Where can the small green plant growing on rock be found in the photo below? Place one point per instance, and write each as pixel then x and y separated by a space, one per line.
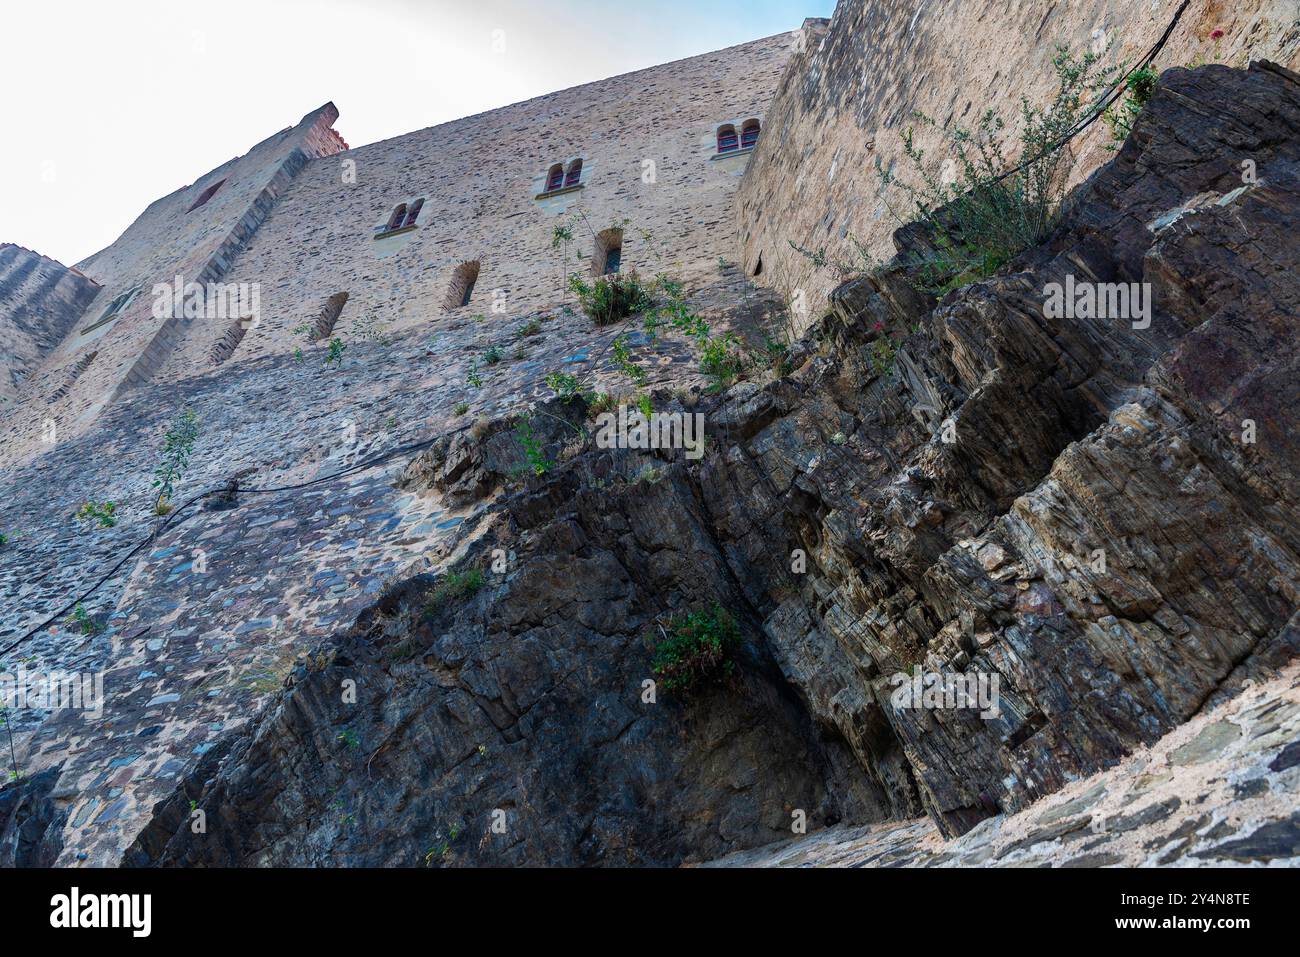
pixel 980 215
pixel 443 846
pixel 334 355
pixel 532 327
pixel 348 737
pixel 565 385
pixel 697 649
pixel 105 513
pixel 453 587
pixel 1138 90
pixel 492 356
pixel 83 621
pixel 623 360
pixel 537 461
pixel 884 351
pixel 474 377
pixel 460 409
pixel 178 445
pixel 720 358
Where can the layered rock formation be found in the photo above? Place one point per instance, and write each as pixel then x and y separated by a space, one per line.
pixel 855 87
pixel 1099 513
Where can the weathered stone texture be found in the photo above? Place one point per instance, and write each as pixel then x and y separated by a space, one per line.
pixel 970 552
pixel 40 301
pixel 849 94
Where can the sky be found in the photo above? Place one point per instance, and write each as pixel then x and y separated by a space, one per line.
pixel 111 104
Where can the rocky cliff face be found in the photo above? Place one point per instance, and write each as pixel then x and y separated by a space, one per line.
pixel 1098 513
pixel 849 93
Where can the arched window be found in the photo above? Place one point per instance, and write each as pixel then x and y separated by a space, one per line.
pixel 749 135
pixel 609 252
pixel 462 285
pixel 574 174
pixel 555 178
pixel 413 212
pixel 206 195
pixel 727 139
pixel 399 215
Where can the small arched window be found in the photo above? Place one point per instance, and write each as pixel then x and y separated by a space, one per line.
pixel 555 178
pixel 749 135
pixel 574 174
pixel 608 257
pixel 414 212
pixel 399 215
pixel 461 287
pixel 727 139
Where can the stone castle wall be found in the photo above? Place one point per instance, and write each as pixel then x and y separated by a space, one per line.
pixel 42 299
pixel 206 620
pixel 858 85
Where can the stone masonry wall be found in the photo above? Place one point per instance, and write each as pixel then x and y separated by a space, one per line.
pixel 40 300
pixel 208 618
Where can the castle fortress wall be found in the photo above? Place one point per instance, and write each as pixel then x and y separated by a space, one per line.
pixel 646 140
pixel 168 239
pixel 40 301
pixel 207 620
pixel 858 85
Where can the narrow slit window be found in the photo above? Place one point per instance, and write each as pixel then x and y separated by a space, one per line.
pixel 555 178
pixel 413 213
pixel 749 135
pixel 574 175
pixel 206 195
pixel 727 139
pixel 461 287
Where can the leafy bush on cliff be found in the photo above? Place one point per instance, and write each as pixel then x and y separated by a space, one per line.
pixel 1139 88
pixel 609 299
pixel 979 214
pixel 696 649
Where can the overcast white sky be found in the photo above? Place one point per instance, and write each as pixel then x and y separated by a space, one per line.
pixel 110 104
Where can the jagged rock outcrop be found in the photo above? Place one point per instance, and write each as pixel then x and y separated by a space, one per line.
pixel 31 821
pixel 1099 513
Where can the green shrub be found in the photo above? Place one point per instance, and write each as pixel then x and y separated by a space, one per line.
pixel 720 358
pixel 178 444
pixel 492 356
pixel 105 513
pixel 1138 90
pixel 610 299
pixel 452 587
pixel 565 385
pixel 697 650
pixel 335 354
pixel 538 463
pixel 982 219
pixel 83 621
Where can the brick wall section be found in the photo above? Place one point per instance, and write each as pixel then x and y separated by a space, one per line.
pixel 847 96
pixel 40 301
